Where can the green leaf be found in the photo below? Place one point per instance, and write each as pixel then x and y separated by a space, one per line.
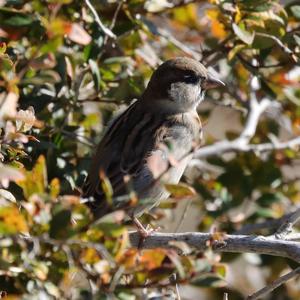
pixel 265 213
pixel 209 281
pixel 296 11
pixel 297 39
pixel 18 21
pixel 126 296
pixel 59 223
pixel 95 73
pixel 267 199
pixel 243 35
pixel 111 229
pixel 220 269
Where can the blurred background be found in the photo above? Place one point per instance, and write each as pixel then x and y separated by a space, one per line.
pixel 67 67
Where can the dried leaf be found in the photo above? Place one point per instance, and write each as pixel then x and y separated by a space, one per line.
pixel 157 5
pixel 78 35
pixel 152 259
pixel 8 173
pixel 8 108
pixel 4 194
pixel 25 119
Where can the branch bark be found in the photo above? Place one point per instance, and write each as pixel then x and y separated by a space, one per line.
pixel 229 243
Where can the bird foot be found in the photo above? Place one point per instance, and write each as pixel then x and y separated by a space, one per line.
pixel 144 232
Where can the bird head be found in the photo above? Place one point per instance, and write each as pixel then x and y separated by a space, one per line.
pixel 179 85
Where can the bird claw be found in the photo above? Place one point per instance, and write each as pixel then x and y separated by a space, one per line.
pixel 144 232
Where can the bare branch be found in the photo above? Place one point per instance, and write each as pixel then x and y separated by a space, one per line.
pixel 269 224
pixel 275 284
pixel 229 243
pixel 256 110
pixel 241 143
pixel 287 226
pixel 293 237
pixel 290 144
pixel 106 30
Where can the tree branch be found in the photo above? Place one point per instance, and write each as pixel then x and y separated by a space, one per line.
pixel 241 143
pixel 276 283
pixel 287 226
pixel 269 224
pixel 229 243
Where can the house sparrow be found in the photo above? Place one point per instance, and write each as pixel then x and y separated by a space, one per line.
pixel 152 141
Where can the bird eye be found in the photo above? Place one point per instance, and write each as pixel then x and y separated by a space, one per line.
pixel 190 78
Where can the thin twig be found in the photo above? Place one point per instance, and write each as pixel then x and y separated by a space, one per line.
pixel 242 142
pixel 114 19
pixel 269 224
pixel 106 30
pixel 183 216
pixel 275 284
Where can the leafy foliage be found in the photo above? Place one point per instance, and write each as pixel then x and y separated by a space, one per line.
pixel 61 80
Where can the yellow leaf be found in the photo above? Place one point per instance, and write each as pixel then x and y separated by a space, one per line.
pixel 12 221
pixel 35 180
pixel 152 259
pixel 186 15
pixel 89 256
pixel 238 15
pixel 232 53
pixel 180 190
pixel 220 269
pixel 217 28
pixel 54 187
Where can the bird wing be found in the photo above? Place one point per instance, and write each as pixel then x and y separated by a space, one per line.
pixel 134 140
pixel 121 152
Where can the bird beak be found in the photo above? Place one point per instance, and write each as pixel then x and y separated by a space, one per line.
pixel 211 83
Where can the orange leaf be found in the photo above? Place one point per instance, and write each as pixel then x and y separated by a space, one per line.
pixel 152 259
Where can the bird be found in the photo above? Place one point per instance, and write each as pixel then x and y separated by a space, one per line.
pixel 151 142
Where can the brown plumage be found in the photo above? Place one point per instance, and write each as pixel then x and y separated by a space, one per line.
pixel 153 139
